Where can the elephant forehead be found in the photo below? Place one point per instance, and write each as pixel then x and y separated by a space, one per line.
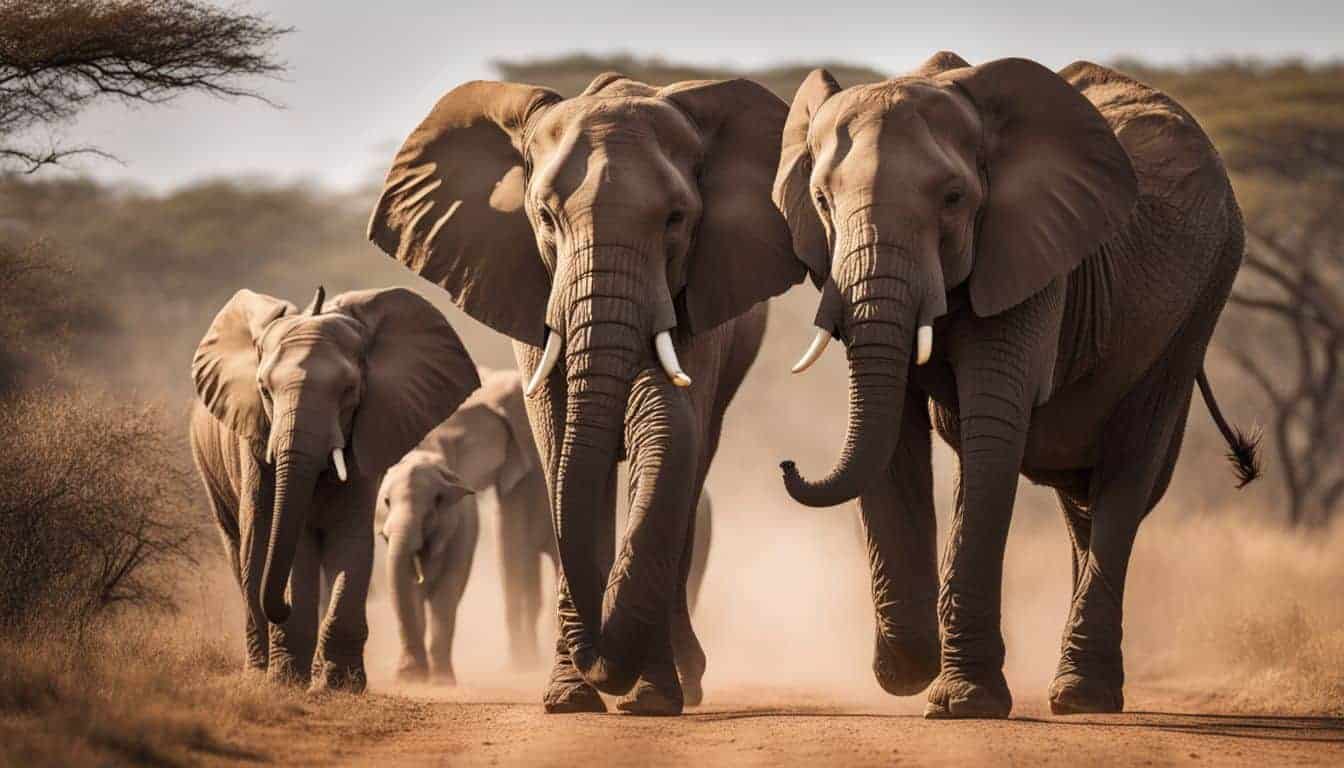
pixel 907 106
pixel 620 119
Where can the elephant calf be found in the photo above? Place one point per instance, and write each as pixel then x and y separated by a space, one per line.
pixel 299 414
pixel 431 524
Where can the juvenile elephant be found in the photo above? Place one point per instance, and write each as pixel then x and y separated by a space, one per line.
pixel 299 414
pixel 485 444
pixel 1069 239
pixel 623 238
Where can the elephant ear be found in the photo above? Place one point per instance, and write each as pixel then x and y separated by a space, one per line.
pixel 224 368
pixel 793 181
pixel 743 252
pixel 502 393
pixel 452 206
pixel 416 373
pixel 1059 182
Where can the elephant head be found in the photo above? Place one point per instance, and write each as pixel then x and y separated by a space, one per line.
pixel 358 379
pixel 986 183
pixel 487 442
pixel 420 506
pixel 598 227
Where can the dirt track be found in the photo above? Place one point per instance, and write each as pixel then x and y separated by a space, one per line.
pixel 775 726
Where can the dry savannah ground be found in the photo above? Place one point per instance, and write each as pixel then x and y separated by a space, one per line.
pixel 1233 648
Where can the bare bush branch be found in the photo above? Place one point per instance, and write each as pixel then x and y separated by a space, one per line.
pixel 60 56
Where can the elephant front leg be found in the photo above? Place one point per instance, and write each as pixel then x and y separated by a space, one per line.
pixel 348 556
pixel 901 532
pixel 292 644
pixel 995 396
pixel 566 691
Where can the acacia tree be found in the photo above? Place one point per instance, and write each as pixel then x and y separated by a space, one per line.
pixel 1295 289
pixel 58 57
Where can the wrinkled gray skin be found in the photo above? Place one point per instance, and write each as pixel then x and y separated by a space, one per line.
pixel 485 445
pixel 1071 238
pixel 279 390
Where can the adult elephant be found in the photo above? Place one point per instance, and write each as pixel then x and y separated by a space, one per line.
pixel 432 529
pixel 623 238
pixel 1069 240
pixel 299 414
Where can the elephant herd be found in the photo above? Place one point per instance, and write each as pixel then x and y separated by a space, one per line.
pixel 1029 262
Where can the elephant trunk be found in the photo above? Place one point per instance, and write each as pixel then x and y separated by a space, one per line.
pixel 402 580
pixel 604 308
pixel 660 435
pixel 881 294
pixel 296 472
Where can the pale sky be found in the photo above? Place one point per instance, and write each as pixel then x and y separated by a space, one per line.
pixel 359 80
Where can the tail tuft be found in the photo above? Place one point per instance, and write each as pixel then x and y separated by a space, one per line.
pixel 1244 453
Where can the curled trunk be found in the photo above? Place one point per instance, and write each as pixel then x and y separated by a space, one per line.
pixel 880 308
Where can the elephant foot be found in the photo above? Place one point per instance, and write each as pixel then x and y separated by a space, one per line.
pixel 650 700
pixel 955 695
pixel 285 671
pixel 412 672
pixel 1072 693
pixel 568 697
pixel 339 677
pixel 906 667
pixel 692 692
pixel 443 675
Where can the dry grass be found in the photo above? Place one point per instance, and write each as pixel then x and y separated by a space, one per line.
pixel 149 689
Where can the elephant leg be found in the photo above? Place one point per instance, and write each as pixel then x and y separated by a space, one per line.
pixel 1078 519
pixel 996 388
pixel 566 691
pixel 521 511
pixel 444 597
pixel 347 556
pixel 293 643
pixel 676 662
pixel 522 605
pixel 1137 454
pixel 901 532
pixel 671 681
pixel 254 631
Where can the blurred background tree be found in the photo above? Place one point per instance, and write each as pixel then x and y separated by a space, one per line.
pixel 58 57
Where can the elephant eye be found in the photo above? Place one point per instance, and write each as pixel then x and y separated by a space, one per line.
pixel 953 198
pixel 675 218
pixel 821 203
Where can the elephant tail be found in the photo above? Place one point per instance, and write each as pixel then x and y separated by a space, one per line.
pixel 1243 447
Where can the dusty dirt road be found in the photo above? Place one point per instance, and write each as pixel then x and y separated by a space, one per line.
pixel 757 726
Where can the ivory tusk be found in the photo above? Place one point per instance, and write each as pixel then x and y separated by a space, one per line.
pixel 667 356
pixel 338 458
pixel 814 350
pixel 923 344
pixel 419 568
pixel 548 360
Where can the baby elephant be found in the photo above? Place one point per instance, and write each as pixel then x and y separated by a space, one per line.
pixel 298 415
pixel 429 518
